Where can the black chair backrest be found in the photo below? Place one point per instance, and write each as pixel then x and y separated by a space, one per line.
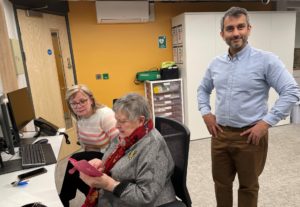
pixel 177 137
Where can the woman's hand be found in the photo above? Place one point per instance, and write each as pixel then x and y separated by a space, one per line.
pixel 97 163
pixel 104 182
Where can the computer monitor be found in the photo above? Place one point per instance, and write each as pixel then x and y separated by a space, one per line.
pixel 6 138
pixel 21 110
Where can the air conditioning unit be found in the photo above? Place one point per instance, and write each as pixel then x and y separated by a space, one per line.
pixel 122 11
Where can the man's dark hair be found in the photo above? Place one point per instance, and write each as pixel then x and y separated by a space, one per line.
pixel 234 12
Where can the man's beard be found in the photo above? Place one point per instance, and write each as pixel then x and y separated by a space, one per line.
pixel 236 45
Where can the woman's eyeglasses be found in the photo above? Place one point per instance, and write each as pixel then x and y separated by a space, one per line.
pixel 81 102
pixel 121 122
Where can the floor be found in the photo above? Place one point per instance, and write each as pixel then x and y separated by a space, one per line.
pixel 279 183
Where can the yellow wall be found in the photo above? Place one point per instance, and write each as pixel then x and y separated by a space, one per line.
pixel 122 50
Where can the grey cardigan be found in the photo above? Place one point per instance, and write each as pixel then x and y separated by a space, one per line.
pixel 144 172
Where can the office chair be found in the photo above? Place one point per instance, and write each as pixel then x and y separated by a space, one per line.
pixel 177 137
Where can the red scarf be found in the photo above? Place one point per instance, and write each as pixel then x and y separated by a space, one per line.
pixel 136 135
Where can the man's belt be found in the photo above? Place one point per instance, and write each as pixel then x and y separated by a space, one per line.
pixel 237 129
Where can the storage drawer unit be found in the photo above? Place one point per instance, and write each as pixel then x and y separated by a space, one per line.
pixel 166 98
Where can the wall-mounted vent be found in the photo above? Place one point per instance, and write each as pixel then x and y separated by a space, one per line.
pixel 122 11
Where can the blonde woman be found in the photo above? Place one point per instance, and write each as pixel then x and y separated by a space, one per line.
pixel 96 127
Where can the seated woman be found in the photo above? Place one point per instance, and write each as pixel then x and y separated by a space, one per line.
pixel 137 170
pixel 95 129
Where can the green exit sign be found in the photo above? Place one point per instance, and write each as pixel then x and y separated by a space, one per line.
pixel 162 42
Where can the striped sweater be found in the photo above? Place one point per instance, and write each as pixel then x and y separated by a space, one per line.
pixel 98 129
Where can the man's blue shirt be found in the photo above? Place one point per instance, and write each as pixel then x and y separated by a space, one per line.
pixel 242 86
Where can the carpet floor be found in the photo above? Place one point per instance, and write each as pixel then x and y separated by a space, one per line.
pixel 279 183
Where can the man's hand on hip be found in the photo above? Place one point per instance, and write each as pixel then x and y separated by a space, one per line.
pixel 256 132
pixel 211 124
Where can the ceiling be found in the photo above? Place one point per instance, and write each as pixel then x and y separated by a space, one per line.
pixel 31 4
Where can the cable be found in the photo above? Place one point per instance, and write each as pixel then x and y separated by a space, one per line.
pixel 66 137
pixel 265 2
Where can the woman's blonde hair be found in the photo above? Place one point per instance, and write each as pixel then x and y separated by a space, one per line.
pixel 84 89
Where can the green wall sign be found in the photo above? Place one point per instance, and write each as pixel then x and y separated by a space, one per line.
pixel 162 42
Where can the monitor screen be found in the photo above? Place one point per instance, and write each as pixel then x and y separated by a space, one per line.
pixel 6 138
pixel 20 109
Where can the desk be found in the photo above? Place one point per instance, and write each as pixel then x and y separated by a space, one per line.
pixel 39 189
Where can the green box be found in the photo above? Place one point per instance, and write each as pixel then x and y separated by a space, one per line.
pixel 105 76
pixel 148 75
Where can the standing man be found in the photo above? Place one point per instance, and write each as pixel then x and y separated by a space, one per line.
pixel 242 79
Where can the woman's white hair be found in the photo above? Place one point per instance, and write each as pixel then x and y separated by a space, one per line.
pixel 134 106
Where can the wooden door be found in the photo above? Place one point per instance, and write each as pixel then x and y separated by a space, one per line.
pixel 42 71
pixel 61 76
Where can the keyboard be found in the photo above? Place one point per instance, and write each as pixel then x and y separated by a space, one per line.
pixel 32 155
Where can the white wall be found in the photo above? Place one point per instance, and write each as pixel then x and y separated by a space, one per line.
pixel 12 34
pixel 10 19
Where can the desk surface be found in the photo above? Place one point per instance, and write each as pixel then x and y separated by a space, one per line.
pixel 39 188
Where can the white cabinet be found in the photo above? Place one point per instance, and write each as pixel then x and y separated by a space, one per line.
pixel 196 41
pixel 165 98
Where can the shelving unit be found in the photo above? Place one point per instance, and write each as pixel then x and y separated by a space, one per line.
pixel 166 98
